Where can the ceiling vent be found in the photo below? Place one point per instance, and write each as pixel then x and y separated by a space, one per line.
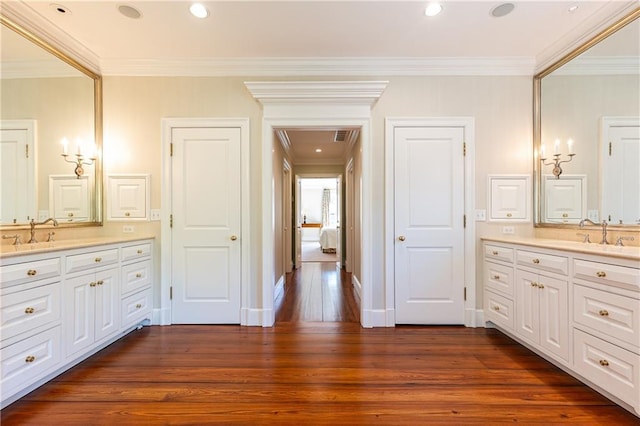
pixel 340 136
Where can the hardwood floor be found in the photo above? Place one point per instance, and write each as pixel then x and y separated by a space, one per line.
pixel 314 373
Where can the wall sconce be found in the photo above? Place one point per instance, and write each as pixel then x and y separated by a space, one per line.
pixel 81 158
pixel 556 160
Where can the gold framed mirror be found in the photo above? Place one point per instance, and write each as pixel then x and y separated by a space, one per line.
pixel 586 104
pixel 47 96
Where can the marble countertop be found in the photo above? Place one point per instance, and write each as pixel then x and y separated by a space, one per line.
pixel 624 252
pixel 7 251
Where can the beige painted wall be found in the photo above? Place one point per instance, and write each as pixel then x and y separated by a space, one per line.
pixel 134 107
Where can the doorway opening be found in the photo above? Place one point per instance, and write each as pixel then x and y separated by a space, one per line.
pixel 318 213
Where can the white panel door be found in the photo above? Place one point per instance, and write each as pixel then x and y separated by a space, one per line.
pixel 429 228
pixel 17 197
pixel 206 208
pixel 69 198
pixel 621 176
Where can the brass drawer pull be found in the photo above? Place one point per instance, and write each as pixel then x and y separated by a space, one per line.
pixel 69 214
pixel 601 274
pixel 604 362
pixel 496 277
pixel 139 251
pixel 534 284
pixel 100 282
pixel 495 252
pixel 30 358
pixel 138 306
pixel 32 272
pixel 603 313
pixel 540 286
pixel 138 275
pixel 127 214
pixel 496 308
pixel 92 284
pixel 536 261
pixel 29 310
pixel 509 215
pixel 98 259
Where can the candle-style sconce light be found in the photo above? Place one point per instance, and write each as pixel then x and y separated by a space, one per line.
pixel 557 157
pixel 80 158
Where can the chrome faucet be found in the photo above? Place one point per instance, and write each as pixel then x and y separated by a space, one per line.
pixel 33 225
pixel 604 228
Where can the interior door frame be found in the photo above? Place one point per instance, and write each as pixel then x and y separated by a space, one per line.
pixel 472 316
pixel 163 315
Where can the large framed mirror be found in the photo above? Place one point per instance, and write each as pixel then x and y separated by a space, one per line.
pixel 587 132
pixel 47 97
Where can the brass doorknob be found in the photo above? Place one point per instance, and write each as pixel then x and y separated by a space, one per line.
pixel 401 238
pixel 233 238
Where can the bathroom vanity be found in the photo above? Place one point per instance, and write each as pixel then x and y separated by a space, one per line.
pixel 63 301
pixel 575 304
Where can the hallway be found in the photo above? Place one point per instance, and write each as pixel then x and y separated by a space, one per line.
pixel 317 292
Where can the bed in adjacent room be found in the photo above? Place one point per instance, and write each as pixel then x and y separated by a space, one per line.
pixel 328 239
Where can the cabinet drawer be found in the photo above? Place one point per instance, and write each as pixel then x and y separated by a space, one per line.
pixel 611 314
pixel 499 310
pixel 29 271
pixel 137 251
pixel 543 262
pixel 604 273
pixel 29 360
pixel 499 278
pixel 135 277
pixel 25 310
pixel 136 307
pixel 612 368
pixel 503 254
pixel 80 262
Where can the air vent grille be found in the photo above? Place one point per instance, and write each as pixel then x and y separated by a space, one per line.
pixel 340 136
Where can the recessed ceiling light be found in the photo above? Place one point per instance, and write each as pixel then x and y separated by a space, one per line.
pixel 58 8
pixel 318 150
pixel 573 8
pixel 433 9
pixel 199 11
pixel 129 11
pixel 502 10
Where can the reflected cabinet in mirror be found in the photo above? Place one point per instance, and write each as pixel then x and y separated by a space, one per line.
pixel 587 132
pixel 50 104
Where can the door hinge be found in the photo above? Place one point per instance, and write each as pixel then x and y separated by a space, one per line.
pixel 464 149
pixel 171 293
pixel 171 149
pixel 464 221
pixel 171 221
pixel 26 149
pixel 610 148
pixel 465 294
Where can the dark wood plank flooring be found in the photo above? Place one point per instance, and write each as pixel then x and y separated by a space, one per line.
pixel 314 373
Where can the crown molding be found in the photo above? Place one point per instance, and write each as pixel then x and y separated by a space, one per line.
pixel 318 67
pixel 25 17
pixel 604 65
pixel 343 92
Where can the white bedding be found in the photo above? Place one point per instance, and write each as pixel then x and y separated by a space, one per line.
pixel 328 238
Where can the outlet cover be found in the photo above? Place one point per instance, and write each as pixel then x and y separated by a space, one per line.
pixel 508 230
pixel 128 229
pixel 155 214
pixel 593 215
pixel 43 215
pixel 481 215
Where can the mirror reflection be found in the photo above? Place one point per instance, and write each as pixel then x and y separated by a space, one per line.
pixel 589 134
pixel 44 101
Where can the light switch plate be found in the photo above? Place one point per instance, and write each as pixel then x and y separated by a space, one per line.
pixel 508 230
pixel 43 215
pixel 128 229
pixel 593 216
pixel 155 214
pixel 481 215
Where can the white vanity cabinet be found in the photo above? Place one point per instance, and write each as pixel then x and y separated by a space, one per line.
pixel 578 306
pixel 63 302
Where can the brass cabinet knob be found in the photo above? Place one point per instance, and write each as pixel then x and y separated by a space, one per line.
pixel 495 252
pixel 69 214
pixel 536 261
pixel 98 259
pixel 92 284
pixel 601 274
pixel 401 238
pixel 29 310
pixel 603 313
pixel 138 275
pixel 509 215
pixel 30 358
pixel 540 286
pixel 233 238
pixel 31 272
pixel 139 251
pixel 604 362
pixel 534 284
pixel 127 214
pixel 496 308
pixel 138 306
pixel 100 282
pixel 496 277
